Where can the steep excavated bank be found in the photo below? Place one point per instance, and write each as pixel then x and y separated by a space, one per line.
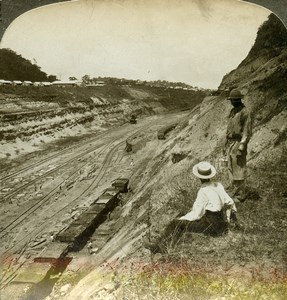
pixel 31 116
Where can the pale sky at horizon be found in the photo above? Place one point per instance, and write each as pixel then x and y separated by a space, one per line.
pixel 193 41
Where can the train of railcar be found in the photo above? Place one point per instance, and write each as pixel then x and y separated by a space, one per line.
pixel 81 228
pixel 77 234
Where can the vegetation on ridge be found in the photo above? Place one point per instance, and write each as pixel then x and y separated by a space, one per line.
pixel 272 35
pixel 14 67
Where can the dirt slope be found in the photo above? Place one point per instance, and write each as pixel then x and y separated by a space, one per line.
pixel 162 190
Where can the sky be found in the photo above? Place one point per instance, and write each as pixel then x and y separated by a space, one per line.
pixel 191 41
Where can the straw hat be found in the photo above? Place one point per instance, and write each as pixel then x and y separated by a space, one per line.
pixel 204 170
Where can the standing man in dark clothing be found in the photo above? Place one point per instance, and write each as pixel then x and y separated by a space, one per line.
pixel 237 137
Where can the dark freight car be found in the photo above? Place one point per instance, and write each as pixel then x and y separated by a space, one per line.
pixel 121 184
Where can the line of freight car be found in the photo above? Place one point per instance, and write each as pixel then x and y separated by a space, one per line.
pixel 54 258
pixel 79 231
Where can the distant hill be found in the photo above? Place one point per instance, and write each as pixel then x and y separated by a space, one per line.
pixel 14 67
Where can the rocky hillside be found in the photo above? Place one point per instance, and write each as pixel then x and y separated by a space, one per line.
pixel 162 188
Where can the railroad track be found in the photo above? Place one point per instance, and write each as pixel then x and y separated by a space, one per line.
pixel 19 189
pixel 25 240
pixel 47 173
pixel 29 211
pixel 14 223
pixel 57 155
pixel 47 159
pixel 108 159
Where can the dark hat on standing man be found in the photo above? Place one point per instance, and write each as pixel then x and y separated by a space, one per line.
pixel 235 95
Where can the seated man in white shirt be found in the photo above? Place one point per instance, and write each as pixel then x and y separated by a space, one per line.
pixel 212 208
pixel 211 211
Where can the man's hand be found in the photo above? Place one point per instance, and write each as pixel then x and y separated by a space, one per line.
pixel 228 214
pixel 241 147
pixel 240 150
pixel 239 153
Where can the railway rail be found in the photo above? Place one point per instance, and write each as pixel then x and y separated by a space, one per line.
pixel 28 212
pixel 60 154
pixel 23 241
pixel 58 210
